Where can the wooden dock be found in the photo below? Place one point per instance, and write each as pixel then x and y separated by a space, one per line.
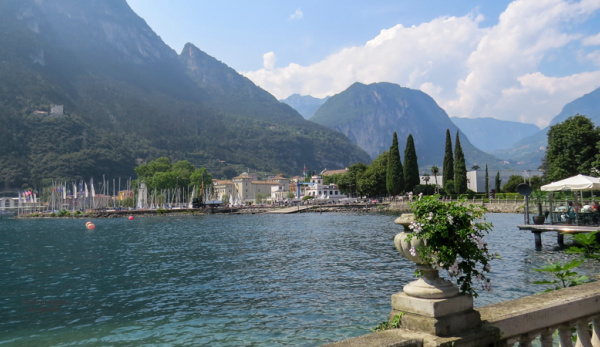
pixel 560 229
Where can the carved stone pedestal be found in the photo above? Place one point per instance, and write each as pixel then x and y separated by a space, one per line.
pixel 440 317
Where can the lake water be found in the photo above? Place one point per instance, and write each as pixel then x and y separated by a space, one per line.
pixel 223 280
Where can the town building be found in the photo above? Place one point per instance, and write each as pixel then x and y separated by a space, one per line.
pixel 318 190
pixel 246 188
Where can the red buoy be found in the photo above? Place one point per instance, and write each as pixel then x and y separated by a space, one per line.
pixel 130 217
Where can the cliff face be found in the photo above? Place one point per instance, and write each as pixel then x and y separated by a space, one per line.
pixel 370 114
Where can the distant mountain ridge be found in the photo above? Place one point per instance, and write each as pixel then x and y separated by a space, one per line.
pixel 369 115
pixel 531 150
pixel 490 134
pixel 129 98
pixel 306 105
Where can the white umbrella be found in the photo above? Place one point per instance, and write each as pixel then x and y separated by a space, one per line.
pixel 579 182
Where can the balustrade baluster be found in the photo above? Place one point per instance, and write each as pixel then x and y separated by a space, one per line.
pixel 525 340
pixel 584 338
pixel 564 336
pixel 546 337
pixel 596 332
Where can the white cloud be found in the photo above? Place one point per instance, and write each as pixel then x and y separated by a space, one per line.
pixel 591 40
pixel 297 15
pixel 594 57
pixel 269 60
pixel 469 70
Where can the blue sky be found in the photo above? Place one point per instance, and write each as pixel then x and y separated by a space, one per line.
pixel 517 60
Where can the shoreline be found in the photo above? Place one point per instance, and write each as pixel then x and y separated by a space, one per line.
pixel 386 207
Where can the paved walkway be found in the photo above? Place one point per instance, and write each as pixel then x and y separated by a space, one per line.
pixel 292 209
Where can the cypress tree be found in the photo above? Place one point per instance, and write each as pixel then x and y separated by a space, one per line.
pixel 498 182
pixel 487 182
pixel 448 168
pixel 411 166
pixel 460 168
pixel 394 178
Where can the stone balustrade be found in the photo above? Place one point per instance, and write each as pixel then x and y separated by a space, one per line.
pixel 551 318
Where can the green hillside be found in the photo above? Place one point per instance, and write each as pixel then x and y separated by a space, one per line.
pixel 129 98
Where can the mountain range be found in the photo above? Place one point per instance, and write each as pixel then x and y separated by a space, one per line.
pixel 306 105
pixel 530 150
pixel 129 98
pixel 491 134
pixel 370 114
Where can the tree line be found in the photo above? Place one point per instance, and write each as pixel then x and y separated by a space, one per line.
pixel 387 176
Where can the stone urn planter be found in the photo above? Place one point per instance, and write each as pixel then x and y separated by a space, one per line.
pixel 430 304
pixel 429 285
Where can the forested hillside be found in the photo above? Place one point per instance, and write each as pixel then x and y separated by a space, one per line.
pixel 129 98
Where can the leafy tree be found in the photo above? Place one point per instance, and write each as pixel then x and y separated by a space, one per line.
pixel 348 183
pixel 460 168
pixel 290 195
pixel 572 148
pixel 329 179
pixel 475 167
pixel 512 184
pixel 536 182
pixel 200 176
pixel 372 181
pixel 448 169
pixel 394 172
pixel 411 166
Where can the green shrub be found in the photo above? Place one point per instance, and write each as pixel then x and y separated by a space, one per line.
pixel 426 189
pixel 63 213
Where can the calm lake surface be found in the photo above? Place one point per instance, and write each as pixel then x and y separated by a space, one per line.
pixel 223 280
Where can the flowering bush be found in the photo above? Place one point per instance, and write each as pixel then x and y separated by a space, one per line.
pixel 453 240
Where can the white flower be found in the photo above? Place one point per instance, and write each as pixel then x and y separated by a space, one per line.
pixel 479 240
pixel 453 270
pixel 416 227
pixel 430 216
pixel 450 219
pixel 413 252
